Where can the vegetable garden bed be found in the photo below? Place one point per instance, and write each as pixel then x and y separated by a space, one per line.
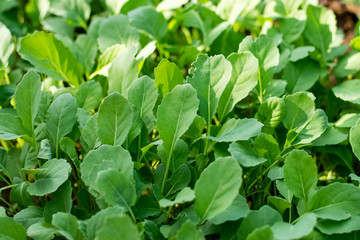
pixel 178 119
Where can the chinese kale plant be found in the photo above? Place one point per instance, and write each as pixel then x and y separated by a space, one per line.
pixel 231 119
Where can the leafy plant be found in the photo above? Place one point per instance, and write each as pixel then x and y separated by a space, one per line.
pixel 231 119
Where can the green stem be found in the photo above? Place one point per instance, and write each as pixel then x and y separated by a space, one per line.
pixel 168 215
pixel 260 86
pixel 166 170
pixel 7 187
pixel 266 170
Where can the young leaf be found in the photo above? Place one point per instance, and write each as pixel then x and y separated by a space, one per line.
pixel 271 112
pixel 243 79
pixel 30 216
pixel 217 187
pixel 51 57
pixel 167 76
pixel 142 93
pixel 210 77
pixel 123 71
pixel 61 118
pixel 114 119
pixel 300 174
pixel 267 54
pixel 348 91
pixel 51 176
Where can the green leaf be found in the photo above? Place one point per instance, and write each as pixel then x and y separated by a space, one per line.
pixel 149 20
pixel 116 188
pixel 51 57
pixel 217 187
pixel 355 139
pixel 123 71
pixel 61 118
pixel 175 115
pixel 347 65
pixel 4 159
pixel 299 109
pixel 88 95
pixel 98 220
pixel 320 27
pixel 245 155
pixel 11 126
pixel 68 146
pixel 239 208
pixel 210 77
pixel 257 219
pixel 266 146
pixel 243 79
pixel 337 201
pixel 261 233
pixel 271 112
pixel 20 195
pixel 41 231
pixel 116 30
pixel 287 231
pixel 301 75
pixel 114 119
pixel 238 129
pixel 185 195
pixel 118 227
pixel 27 99
pixel 68 226
pixel 30 216
pixel 61 202
pixel 76 11
pixel 88 134
pixel 105 157
pixel 114 5
pixel 300 174
pixel 188 231
pixel 7 45
pixel 330 227
pixel 348 91
pixel 167 76
pixel 142 93
pixel 52 175
pixel 267 54
pixel 10 229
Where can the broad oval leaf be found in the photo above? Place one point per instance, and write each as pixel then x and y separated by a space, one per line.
pixel 114 119
pixel 27 98
pixel 210 77
pixel 243 79
pixel 118 227
pixel 61 118
pixel 105 157
pixel 217 187
pixel 167 76
pixel 337 201
pixel 10 229
pixel 88 95
pixel 175 114
pixel 11 126
pixel 116 30
pixel 300 174
pixel 348 91
pixel 50 177
pixel 116 188
pixel 50 56
pixel 149 20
